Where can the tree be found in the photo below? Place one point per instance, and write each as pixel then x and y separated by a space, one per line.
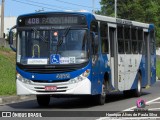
pixel 146 11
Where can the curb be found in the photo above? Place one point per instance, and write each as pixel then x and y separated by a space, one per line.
pixel 14 99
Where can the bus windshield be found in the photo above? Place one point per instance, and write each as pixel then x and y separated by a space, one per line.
pixel 38 44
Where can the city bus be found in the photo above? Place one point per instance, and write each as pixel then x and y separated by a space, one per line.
pixel 82 54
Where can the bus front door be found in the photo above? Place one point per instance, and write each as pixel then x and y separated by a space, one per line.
pixel 113 55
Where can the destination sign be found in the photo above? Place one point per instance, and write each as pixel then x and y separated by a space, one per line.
pixel 52 20
pixel 127 22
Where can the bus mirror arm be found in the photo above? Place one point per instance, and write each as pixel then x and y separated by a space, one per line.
pixel 11 38
pixel 14 49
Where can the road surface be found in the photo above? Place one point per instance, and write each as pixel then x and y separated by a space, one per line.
pixel 114 102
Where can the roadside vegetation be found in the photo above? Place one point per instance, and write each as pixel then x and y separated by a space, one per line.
pixel 7 72
pixel 158 68
pixel 146 11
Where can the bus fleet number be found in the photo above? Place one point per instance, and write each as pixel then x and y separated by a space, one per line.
pixel 33 21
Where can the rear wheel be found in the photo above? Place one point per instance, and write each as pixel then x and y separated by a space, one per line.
pixel 137 92
pixel 43 100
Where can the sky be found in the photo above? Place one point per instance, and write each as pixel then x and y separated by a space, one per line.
pixel 19 7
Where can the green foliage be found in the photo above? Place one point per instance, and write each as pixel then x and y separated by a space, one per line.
pixel 158 68
pixel 7 72
pixel 146 11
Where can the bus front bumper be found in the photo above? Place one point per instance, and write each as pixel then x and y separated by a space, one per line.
pixel 37 88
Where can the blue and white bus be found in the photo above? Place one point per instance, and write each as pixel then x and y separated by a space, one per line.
pixel 82 54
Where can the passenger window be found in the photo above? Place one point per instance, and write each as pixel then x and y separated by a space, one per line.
pixel 120 39
pixel 134 47
pixel 140 40
pixel 104 37
pixel 127 39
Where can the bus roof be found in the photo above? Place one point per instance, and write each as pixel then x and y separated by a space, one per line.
pixel 122 21
pixel 91 16
pixel 65 12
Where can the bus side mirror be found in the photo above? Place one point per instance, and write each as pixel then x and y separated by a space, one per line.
pixel 4 35
pixel 11 37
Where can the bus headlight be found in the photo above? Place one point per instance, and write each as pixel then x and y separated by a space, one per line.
pixel 76 80
pixel 86 73
pixel 22 79
pixel 80 78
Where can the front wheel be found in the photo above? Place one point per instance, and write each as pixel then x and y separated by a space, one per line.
pixel 101 98
pixel 43 100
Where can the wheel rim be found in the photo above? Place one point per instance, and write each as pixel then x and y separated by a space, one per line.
pixel 103 90
pixel 139 83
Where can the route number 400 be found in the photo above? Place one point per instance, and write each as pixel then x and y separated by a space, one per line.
pixel 33 21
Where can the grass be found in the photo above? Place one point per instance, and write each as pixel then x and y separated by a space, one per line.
pixel 158 68
pixel 7 72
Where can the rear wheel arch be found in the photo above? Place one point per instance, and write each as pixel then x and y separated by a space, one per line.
pixel 106 77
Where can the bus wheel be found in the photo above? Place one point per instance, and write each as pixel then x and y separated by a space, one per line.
pixel 138 90
pixel 100 99
pixel 43 100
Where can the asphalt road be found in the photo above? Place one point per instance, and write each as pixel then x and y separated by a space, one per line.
pixel 114 102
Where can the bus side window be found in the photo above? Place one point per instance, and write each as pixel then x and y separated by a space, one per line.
pixel 134 47
pixel 94 37
pixel 140 40
pixel 120 34
pixel 127 39
pixel 104 37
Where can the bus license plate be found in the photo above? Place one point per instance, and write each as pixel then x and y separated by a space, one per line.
pixel 50 88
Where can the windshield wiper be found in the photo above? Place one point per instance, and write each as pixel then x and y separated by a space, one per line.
pixel 66 32
pixel 41 37
pixel 60 41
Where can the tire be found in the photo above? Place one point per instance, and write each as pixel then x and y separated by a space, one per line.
pixel 138 91
pixel 43 100
pixel 101 98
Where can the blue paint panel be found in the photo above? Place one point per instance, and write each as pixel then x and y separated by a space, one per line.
pixel 98 72
pixel 106 69
pixel 143 70
pixel 153 68
pixel 151 27
pixel 49 77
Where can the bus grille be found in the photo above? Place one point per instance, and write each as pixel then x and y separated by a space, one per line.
pixel 49 69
